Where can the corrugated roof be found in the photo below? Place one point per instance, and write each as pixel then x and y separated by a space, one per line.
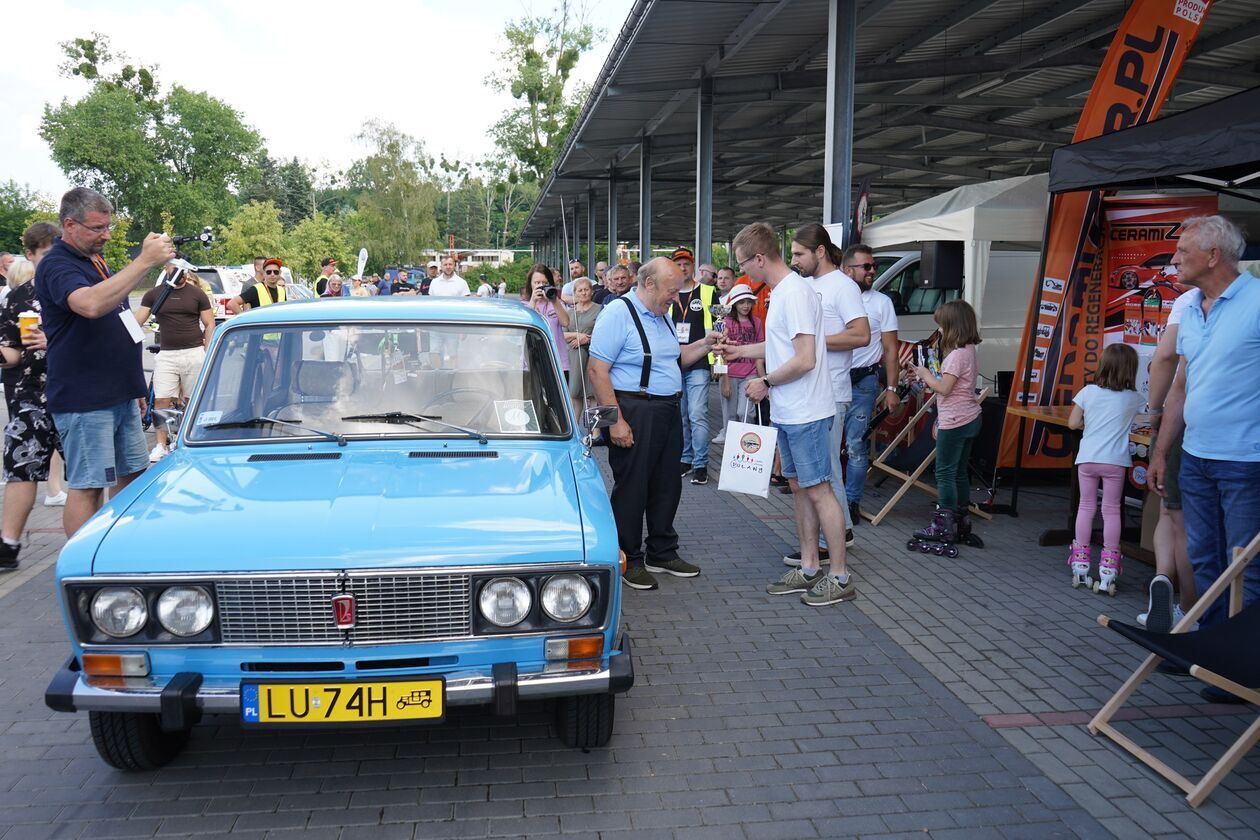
pixel 947 94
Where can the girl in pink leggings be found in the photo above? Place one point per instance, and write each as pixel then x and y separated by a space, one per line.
pixel 1106 410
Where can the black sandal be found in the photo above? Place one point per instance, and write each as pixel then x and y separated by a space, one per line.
pixel 777 480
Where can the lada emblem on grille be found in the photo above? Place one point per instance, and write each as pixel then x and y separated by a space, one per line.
pixel 343 611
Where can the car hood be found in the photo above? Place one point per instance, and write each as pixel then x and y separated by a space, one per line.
pixel 365 509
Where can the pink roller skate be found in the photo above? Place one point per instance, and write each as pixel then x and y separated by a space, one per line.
pixel 1078 562
pixel 1108 570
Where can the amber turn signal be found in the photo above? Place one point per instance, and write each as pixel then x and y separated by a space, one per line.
pixel 116 665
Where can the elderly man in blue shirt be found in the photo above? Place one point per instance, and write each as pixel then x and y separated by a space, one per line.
pixel 646 441
pixel 1216 401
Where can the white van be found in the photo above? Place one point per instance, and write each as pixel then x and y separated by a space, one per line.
pixel 1003 311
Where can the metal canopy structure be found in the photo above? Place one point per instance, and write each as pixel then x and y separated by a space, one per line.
pixel 731 99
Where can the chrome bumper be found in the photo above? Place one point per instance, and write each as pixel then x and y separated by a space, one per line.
pixel 186 696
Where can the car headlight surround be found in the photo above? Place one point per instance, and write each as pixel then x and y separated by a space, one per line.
pixel 185 610
pixel 566 598
pixel 119 612
pixel 505 601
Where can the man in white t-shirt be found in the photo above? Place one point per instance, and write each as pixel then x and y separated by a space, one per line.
pixel 803 409
pixel 844 318
pixel 448 283
pixel 881 351
pixel 485 290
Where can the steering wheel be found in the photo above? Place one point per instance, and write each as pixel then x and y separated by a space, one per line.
pixel 441 398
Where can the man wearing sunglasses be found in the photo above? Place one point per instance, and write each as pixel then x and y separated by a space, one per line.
pixel 859 263
pixel 269 291
pixel 95 379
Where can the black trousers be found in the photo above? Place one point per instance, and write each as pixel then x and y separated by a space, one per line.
pixel 646 481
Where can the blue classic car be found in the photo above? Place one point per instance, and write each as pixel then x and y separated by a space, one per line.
pixel 377 509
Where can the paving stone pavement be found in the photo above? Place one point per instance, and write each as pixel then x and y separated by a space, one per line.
pixel 908 712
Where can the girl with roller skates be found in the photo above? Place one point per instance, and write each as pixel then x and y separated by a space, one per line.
pixel 1106 409
pixel 957 425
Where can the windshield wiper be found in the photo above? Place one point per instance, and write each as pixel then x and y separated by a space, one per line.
pixel 412 420
pixel 252 422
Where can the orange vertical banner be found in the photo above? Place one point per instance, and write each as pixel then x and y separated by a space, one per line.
pixel 1065 320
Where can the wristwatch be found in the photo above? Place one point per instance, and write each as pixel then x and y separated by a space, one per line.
pixel 766 379
pixel 891 389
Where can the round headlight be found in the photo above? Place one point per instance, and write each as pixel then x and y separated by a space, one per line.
pixel 185 610
pixel 119 612
pixel 566 597
pixel 505 601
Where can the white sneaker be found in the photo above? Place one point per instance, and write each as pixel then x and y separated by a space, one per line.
pixel 58 500
pixel 158 453
pixel 1178 614
pixel 719 438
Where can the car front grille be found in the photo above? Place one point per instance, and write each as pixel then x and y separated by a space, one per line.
pixel 389 608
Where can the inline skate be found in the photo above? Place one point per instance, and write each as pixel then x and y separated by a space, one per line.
pixel 939 537
pixel 965 535
pixel 1079 562
pixel 1108 570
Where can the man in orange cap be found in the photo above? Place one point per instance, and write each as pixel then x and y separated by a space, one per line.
pixel 269 291
pixel 327 268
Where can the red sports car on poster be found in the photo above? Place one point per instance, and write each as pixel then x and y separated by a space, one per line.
pixel 1158 267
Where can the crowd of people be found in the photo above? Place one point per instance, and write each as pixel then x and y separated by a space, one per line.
pixel 804 343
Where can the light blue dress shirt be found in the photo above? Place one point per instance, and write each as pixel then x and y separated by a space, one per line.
pixel 616 342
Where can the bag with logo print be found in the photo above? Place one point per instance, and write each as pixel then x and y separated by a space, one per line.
pixel 748 458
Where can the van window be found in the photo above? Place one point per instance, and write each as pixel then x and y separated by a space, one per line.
pixel 909 299
pixel 211 279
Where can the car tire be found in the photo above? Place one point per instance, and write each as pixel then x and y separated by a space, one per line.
pixel 130 741
pixel 586 720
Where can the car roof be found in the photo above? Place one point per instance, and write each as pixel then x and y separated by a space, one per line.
pixel 392 309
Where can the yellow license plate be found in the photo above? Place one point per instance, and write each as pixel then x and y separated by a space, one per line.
pixel 349 702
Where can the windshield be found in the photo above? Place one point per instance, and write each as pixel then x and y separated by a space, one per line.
pixel 211 279
pixel 379 380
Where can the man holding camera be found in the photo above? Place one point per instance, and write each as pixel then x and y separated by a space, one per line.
pixel 185 323
pixel 95 375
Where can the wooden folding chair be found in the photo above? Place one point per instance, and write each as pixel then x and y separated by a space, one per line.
pixel 1222 655
pixel 911 479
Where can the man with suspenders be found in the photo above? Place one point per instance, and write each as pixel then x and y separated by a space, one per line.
pixel 634 365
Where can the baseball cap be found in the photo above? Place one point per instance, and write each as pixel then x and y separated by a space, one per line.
pixel 433 264
pixel 273 261
pixel 683 253
pixel 327 261
pixel 739 293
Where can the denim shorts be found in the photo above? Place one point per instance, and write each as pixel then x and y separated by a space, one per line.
pixel 103 445
pixel 805 451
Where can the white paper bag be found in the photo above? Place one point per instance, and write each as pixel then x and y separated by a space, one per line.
pixel 748 458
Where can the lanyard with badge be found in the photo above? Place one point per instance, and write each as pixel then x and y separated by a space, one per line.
pixel 127 317
pixel 683 328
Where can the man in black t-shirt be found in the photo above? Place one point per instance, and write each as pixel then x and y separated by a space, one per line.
pixel 617 281
pixel 691 317
pixel 402 284
pixel 269 291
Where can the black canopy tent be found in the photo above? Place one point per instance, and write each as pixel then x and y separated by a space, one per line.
pixel 1216 146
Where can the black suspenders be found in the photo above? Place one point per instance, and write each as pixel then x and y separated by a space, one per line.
pixel 646 374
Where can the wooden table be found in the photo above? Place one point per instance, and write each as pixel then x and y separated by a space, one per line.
pixel 1058 415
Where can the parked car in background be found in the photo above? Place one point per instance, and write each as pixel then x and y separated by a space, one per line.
pixel 416 523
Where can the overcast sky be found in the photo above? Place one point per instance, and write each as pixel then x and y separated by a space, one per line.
pixel 306 75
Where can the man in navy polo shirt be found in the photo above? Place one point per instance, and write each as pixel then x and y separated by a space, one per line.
pixel 1217 404
pixel 95 374
pixel 646 441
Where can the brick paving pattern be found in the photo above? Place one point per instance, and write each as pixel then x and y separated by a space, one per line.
pixel 946 701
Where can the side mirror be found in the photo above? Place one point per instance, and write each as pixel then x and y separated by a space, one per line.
pixel 599 417
pixel 169 417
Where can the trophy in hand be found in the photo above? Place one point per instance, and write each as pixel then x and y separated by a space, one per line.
pixel 719 312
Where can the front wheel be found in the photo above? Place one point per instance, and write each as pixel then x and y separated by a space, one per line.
pixel 131 741
pixel 586 720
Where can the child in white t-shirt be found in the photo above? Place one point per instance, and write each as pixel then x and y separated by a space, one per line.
pixel 1106 409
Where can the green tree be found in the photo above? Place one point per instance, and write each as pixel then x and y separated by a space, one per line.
pixel 184 152
pixel 16 204
pixel 255 231
pixel 312 240
pixel 397 199
pixel 286 184
pixel 540 57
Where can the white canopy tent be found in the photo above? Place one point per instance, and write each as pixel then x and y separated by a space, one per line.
pixel 1010 210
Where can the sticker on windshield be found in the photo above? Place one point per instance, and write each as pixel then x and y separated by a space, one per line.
pixel 516 416
pixel 206 418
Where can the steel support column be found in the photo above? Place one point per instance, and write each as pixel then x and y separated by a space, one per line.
pixel 838 162
pixel 590 232
pixel 645 200
pixel 704 172
pixel 612 220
